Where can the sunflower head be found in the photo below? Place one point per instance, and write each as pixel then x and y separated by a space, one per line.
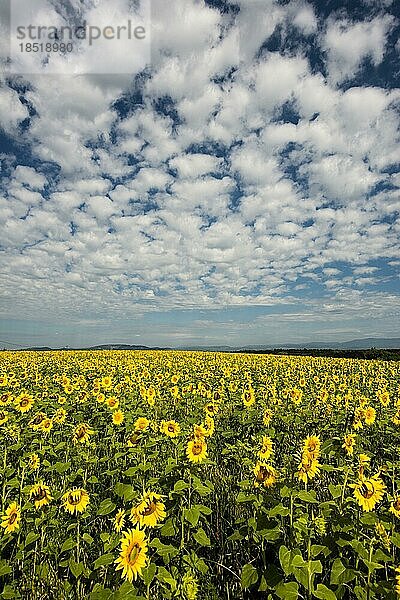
pixel 395 507
pixel 11 519
pixel 40 495
pixel 267 416
pixel 134 439
pixel 266 448
pixel 265 475
pixel 348 443
pixel 141 424
pixel 149 510
pixel 368 492
pixel 118 417
pixel 23 402
pixel 75 500
pixel 370 415
pixel 308 468
pixel 209 426
pixel 60 416
pixel 190 587
pixel 82 433
pixel 312 446
pixel 46 425
pixel 248 397
pixel 199 431
pixel 119 520
pixel 170 428
pixel 34 462
pixel 196 450
pixel 133 554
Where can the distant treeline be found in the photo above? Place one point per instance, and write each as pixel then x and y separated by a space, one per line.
pixel 367 354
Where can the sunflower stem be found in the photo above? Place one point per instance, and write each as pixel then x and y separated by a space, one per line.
pixel 344 489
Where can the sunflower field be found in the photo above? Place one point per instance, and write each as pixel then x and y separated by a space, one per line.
pixel 163 475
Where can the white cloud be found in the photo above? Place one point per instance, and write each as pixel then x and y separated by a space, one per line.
pixel 12 111
pixel 304 18
pixel 217 202
pixel 347 44
pixel 30 177
pixel 194 165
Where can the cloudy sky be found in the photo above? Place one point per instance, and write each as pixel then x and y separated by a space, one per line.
pixel 240 187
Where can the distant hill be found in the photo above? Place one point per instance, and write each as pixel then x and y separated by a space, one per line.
pixel 98 347
pixel 118 347
pixel 358 344
pixel 37 348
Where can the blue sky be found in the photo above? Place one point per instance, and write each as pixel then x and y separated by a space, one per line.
pixel 243 188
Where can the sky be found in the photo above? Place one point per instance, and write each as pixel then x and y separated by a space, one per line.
pixel 239 185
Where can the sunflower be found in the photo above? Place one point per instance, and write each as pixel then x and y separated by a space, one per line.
pixel 106 382
pixel 369 492
pixel 349 441
pixel 370 415
pixel 248 397
pixel 199 431
pixel 60 416
pixel 382 535
pixel 364 461
pixel 396 417
pixel 383 397
pixel 266 448
pixel 100 398
pixel 82 433
pixel 23 402
pixel 149 510
pixel 267 416
pixel 118 417
pixel 75 500
pixel 10 520
pixel 46 425
pixel 212 408
pixel 174 391
pixel 359 416
pixel 312 446
pixel 5 399
pixel 82 397
pixel 3 417
pixel 133 554
pixel 210 426
pixel 196 450
pixel 397 570
pixel 34 462
pixel 190 587
pixel 141 424
pixel 134 439
pixel 265 474
pixel 308 468
pixel 150 395
pixel 112 402
pixel 296 395
pixel 170 428
pixel 40 495
pixel 395 507
pixel 119 520
pixel 37 420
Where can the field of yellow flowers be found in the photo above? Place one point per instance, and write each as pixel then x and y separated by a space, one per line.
pixel 161 475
